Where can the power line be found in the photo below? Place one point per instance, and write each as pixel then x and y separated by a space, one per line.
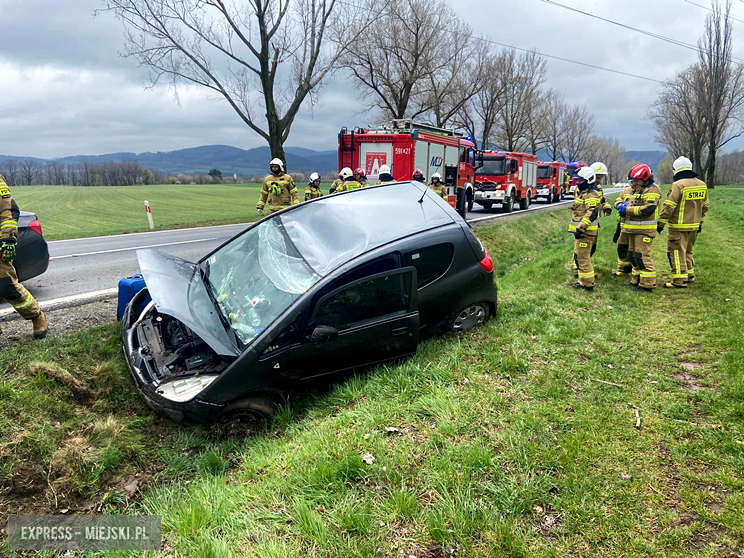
pixel 703 7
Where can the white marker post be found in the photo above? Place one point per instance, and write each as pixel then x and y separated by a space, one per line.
pixel 149 215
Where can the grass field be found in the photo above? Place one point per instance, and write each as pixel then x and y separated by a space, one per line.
pixel 76 212
pixel 517 439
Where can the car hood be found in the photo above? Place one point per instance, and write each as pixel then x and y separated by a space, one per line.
pixel 177 289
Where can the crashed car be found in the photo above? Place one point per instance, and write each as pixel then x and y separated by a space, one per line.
pixel 338 283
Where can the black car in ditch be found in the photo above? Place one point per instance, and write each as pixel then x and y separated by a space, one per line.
pixel 32 258
pixel 327 286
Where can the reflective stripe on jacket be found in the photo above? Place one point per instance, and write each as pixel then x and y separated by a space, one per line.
pixel 279 191
pixel 643 211
pixel 586 209
pixel 686 205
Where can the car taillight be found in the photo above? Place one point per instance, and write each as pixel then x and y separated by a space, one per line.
pixel 486 262
pixel 36 227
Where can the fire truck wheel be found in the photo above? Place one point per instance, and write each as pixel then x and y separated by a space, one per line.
pixel 487 205
pixel 471 202
pixel 524 203
pixel 470 317
pixel 509 203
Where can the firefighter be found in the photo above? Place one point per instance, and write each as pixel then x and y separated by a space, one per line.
pixel 684 211
pixel 418 174
pixel 361 175
pixel 438 186
pixel 10 289
pixel 624 265
pixel 600 170
pixel 584 225
pixel 336 183
pixel 385 176
pixel 641 214
pixel 350 181
pixel 312 190
pixel 278 189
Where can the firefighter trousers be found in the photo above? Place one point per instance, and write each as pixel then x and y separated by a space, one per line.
pixel 624 265
pixel 584 248
pixel 15 294
pixel 639 253
pixel 679 252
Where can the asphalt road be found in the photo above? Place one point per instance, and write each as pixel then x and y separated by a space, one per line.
pixel 88 268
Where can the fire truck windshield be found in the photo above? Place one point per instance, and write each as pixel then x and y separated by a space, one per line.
pixel 492 166
pixel 543 171
pixel 571 170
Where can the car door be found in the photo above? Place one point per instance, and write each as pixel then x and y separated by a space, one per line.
pixel 366 321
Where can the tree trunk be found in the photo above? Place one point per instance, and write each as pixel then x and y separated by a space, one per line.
pixel 710 177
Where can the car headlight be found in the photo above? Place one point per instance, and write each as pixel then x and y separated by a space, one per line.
pixel 185 389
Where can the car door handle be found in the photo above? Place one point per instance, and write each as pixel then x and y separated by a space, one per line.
pixel 400 331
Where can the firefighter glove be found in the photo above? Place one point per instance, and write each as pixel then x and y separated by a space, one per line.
pixel 8 248
pixel 659 228
pixel 700 228
pixel 607 212
pixel 616 236
pixel 578 233
pixel 621 207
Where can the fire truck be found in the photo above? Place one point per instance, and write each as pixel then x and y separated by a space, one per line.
pixel 405 146
pixel 506 177
pixel 571 169
pixel 551 181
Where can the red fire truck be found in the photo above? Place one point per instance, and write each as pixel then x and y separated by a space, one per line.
pixel 551 180
pixel 405 146
pixel 506 177
pixel 571 169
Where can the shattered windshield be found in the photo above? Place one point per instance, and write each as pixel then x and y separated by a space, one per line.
pixel 543 171
pixel 492 166
pixel 256 277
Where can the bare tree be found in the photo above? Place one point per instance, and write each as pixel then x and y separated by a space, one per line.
pixel 271 53
pixel 554 111
pixel 579 132
pixel 537 124
pixel 523 75
pixel 396 59
pixel 723 83
pixel 10 172
pixel 608 151
pixel 28 171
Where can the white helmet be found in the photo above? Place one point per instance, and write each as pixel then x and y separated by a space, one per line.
pixel 681 164
pixel 278 162
pixel 588 174
pixel 436 175
pixel 599 169
pixel 384 169
pixel 345 173
pixel 315 176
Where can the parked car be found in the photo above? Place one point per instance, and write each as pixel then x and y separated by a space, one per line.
pixel 334 284
pixel 32 257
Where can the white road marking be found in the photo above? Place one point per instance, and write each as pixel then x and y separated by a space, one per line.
pixel 48 304
pixel 130 248
pixel 147 232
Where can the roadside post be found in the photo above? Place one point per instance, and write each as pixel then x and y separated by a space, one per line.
pixel 149 215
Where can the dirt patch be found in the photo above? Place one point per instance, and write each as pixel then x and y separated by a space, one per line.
pixel 27 478
pixel 690 366
pixel 80 391
pixel 431 551
pixel 672 479
pixel 691 382
pixel 548 520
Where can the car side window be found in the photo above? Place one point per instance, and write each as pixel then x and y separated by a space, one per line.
pixel 430 262
pixel 364 300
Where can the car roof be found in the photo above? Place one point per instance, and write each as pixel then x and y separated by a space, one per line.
pixel 332 230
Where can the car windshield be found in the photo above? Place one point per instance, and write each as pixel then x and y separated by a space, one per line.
pixel 256 277
pixel 492 166
pixel 543 171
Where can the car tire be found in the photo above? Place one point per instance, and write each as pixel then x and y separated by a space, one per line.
pixel 470 317
pixel 524 203
pixel 509 204
pixel 262 407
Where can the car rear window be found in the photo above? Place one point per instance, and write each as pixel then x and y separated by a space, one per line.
pixel 366 300
pixel 430 262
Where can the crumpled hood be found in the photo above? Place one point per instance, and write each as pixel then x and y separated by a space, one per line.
pixel 177 289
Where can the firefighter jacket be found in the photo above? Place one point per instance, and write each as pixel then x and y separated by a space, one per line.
pixel 385 178
pixel 312 192
pixel 686 204
pixel 605 204
pixel 279 191
pixel 643 211
pixel 625 196
pixel 9 212
pixel 586 211
pixel 440 189
pixel 334 186
pixel 350 185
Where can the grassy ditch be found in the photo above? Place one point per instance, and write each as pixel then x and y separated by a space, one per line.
pixel 517 439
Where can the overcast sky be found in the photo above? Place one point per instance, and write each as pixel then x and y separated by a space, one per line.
pixel 66 91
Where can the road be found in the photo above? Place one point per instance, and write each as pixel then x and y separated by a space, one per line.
pixel 89 268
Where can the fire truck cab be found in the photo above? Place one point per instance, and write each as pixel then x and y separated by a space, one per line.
pixel 405 146
pixel 571 169
pixel 551 180
pixel 506 177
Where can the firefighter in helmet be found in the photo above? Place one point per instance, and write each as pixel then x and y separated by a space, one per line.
pixel 600 171
pixel 312 190
pixel 418 174
pixel 624 265
pixel 361 175
pixel 438 186
pixel 278 189
pixel 10 289
pixel 385 176
pixel 584 225
pixel 350 181
pixel 336 183
pixel 640 223
pixel 684 211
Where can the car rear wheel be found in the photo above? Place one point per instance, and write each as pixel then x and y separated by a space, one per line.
pixel 470 317
pixel 260 407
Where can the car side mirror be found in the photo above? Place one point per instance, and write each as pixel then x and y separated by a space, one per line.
pixel 324 334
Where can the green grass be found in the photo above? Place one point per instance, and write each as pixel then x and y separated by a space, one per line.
pixel 510 444
pixel 77 212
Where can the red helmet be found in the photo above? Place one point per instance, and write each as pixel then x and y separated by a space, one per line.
pixel 640 171
pixel 418 172
pixel 359 171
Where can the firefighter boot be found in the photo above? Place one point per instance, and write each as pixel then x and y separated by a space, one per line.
pixel 40 326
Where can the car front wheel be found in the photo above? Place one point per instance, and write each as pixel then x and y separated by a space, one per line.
pixel 470 317
pixel 261 407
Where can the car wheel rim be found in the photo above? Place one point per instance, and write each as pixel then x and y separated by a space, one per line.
pixel 469 318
